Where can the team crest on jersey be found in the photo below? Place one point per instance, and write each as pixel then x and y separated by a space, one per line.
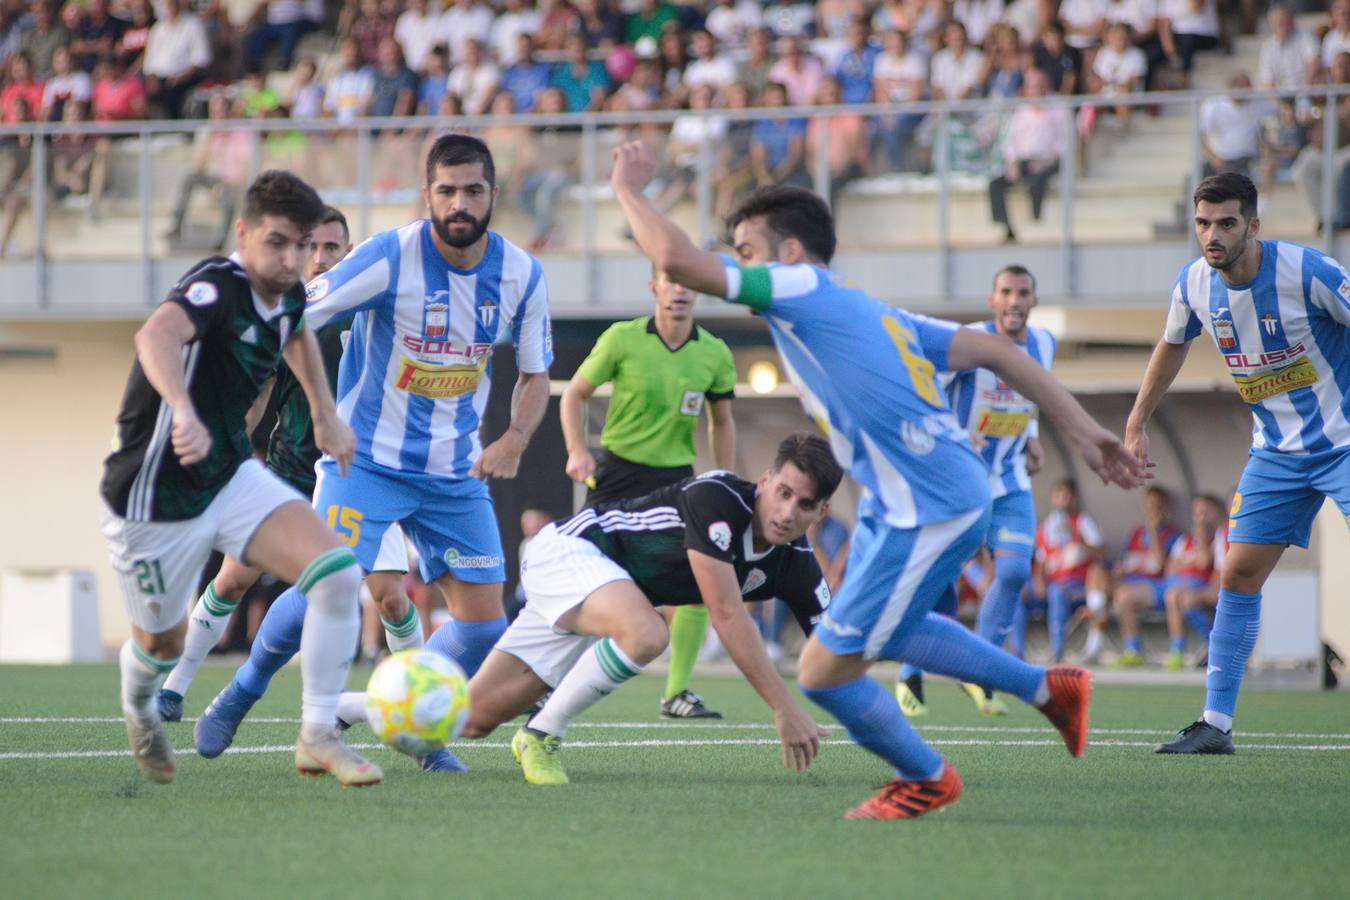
pixel 1224 334
pixel 436 315
pixel 823 594
pixel 720 534
pixel 1344 291
pixel 755 579
pixel 487 312
pixel 316 290
pixel 201 293
pixel 1270 324
pixel 917 439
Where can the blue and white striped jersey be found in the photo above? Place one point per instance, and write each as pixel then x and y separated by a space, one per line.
pixel 986 405
pixel 414 377
pixel 866 375
pixel 1283 339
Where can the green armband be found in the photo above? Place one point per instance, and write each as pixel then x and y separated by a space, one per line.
pixel 756 288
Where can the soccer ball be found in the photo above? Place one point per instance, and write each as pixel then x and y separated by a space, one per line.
pixel 417 701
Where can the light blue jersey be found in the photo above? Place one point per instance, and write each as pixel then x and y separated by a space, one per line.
pixel 986 405
pixel 415 375
pixel 1284 340
pixel 866 374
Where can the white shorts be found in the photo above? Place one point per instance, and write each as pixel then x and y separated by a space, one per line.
pixel 558 572
pixel 393 555
pixel 159 563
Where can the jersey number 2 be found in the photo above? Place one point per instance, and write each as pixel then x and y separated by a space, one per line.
pixel 920 369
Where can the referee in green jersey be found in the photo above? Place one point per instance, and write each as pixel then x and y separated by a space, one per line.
pixel 664 369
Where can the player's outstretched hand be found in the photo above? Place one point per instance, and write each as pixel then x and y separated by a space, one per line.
pixel 799 735
pixel 337 440
pixel 191 440
pixel 1136 441
pixel 580 466
pixel 1106 455
pixel 501 458
pixel 634 166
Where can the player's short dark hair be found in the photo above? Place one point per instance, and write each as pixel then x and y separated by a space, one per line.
pixel 812 455
pixel 333 214
pixel 790 212
pixel 1228 186
pixel 459 150
pixel 277 193
pixel 1016 269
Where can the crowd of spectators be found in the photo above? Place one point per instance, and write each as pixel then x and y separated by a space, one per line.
pixel 111 60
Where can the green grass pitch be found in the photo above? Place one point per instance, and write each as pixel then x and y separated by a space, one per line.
pixel 676 810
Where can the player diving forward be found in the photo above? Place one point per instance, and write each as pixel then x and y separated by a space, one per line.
pixel 866 373
pixel 291 455
pixel 181 479
pixel 592 583
pixel 431 299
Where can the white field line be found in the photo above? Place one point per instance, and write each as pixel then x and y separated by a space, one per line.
pixel 740 726
pixel 584 745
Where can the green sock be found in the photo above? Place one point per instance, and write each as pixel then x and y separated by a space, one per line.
pixel 686 637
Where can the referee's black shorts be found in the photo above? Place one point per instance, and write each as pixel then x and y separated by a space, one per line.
pixel 618 479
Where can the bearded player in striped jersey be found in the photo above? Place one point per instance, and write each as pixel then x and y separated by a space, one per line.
pixel 181 479
pixel 1278 313
pixel 430 301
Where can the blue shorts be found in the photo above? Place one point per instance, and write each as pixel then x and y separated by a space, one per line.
pixel 894 576
pixel 451 522
pixel 1280 493
pixel 1158 585
pixel 1183 581
pixel 1012 525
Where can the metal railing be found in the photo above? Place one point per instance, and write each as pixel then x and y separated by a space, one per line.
pixel 595 130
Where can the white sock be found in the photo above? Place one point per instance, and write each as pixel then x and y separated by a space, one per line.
pixel 599 671
pixel 208 622
pixel 1093 642
pixel 406 634
pixel 1042 693
pixel 1218 720
pixel 332 623
pixel 351 707
pixel 140 679
pixel 1096 601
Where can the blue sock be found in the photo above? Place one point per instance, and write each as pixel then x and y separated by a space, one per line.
pixel 943 646
pixel 907 671
pixel 874 720
pixel 277 641
pixel 1179 644
pixel 1198 619
pixel 1236 624
pixel 1019 629
pixel 1004 596
pixel 467 643
pixel 1056 616
pixel 1135 645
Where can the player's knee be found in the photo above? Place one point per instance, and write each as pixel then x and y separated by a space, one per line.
pixel 644 638
pixel 390 599
pixel 1012 571
pixel 481 723
pixel 229 586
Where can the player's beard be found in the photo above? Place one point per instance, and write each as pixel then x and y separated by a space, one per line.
pixel 468 239
pixel 1231 255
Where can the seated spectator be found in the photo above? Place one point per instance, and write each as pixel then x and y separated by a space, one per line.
pixel 598 23
pixel 732 176
pixel 434 81
pixel 72 154
pixel 1307 167
pixel 417 31
pixel 732 21
pixel 526 77
pixel 856 69
pixel 1230 130
pixel 978 16
pixel 708 66
pixel 1337 38
pixel 1142 17
pixel 790 18
pixel 350 89
pixel 1191 590
pixel 846 143
pixel 256 99
pixel 304 98
pixel 118 96
pixel 131 46
pixel 95 35
pixel 176 52
pixel 1138 580
pixel 1030 17
pixel 1004 61
pixel 1284 139
pixel 283 24
pixel 1062 64
pixel 673 57
pixel 583 83
pixel 1069 551
pixel 1032 146
pixel 465 20
pixel 557 20
pixel 642 90
pixel 553 164
pixel 393 86
pixel 372 25
pixel 833 18
pixel 1119 68
pixel 1084 24
pixel 900 77
pixel 508 142
pixel 19 86
pixel 777 146
pixel 14 21
pixel 684 147
pixel 41 41
pixel 956 69
pixel 1187 27
pixel 475 79
pixel 753 71
pixel 64 84
pixel 16 158
pixel 220 166
pixel 797 71
pixel 1289 55
pixel 649 21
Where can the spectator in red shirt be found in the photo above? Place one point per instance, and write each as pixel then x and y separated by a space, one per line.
pixel 370 29
pixel 16 157
pixel 131 46
pixel 119 96
pixel 19 86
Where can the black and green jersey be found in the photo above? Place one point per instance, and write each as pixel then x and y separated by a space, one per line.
pixel 651 536
pixel 236 347
pixel 658 392
pixel 291 453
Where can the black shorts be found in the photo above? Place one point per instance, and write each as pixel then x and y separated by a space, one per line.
pixel 619 479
